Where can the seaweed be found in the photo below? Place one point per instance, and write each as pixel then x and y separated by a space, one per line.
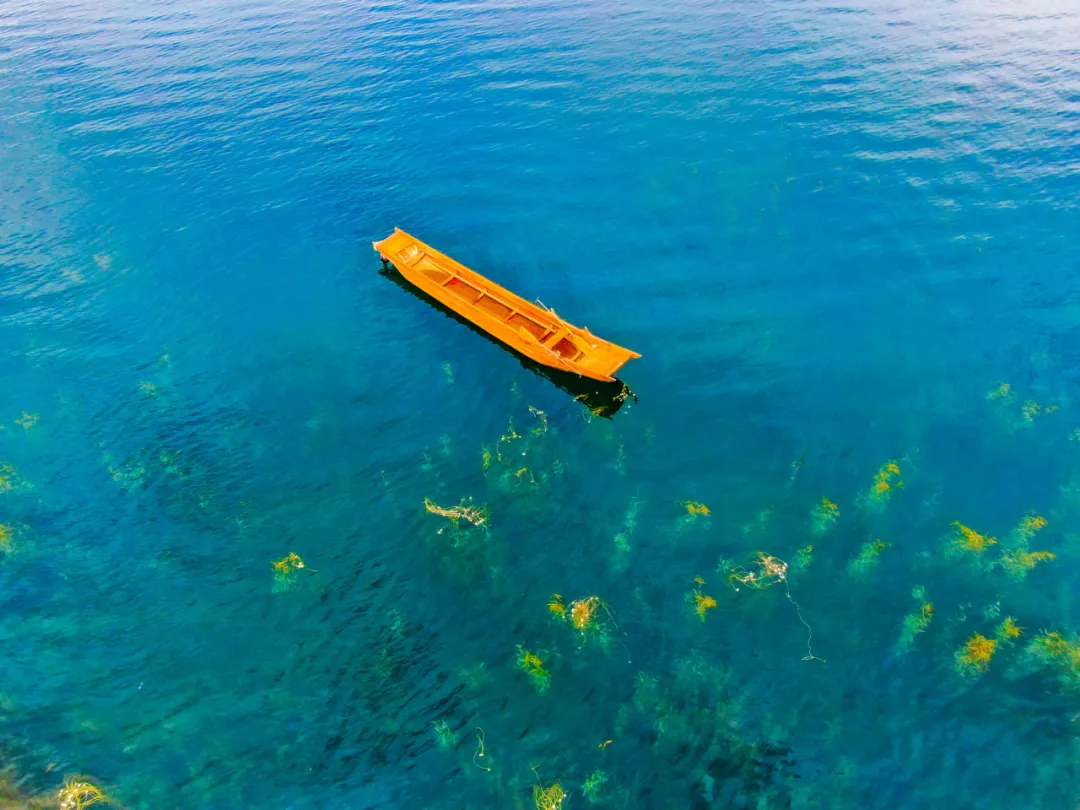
pixel 974 657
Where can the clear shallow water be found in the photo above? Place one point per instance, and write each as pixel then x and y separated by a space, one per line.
pixel 831 230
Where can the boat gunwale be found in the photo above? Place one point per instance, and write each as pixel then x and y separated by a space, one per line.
pixel 554 325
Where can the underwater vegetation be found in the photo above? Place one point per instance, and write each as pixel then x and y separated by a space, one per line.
pixel 1051 649
pixel 27 420
pixel 590 617
pixel 764 571
pixel 78 792
pixel 532 665
pixel 695 508
pixel 702 603
pixel 621 541
pixel 284 571
pixel 823 516
pixel 1018 560
pixel 548 798
pixel 693 721
pixel 476 515
pixel 967 539
pixel 803 559
pixel 886 482
pixel 867 559
pixel 974 657
pixel 6 533
pixel 1008 631
pixel 593 787
pixel 916 622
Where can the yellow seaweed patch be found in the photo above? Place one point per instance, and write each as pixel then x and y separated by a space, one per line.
pixel 886 481
pixel 582 612
pixel 767 570
pixel 695 508
pixel 1019 561
pixel 556 606
pixel 999 393
pixel 702 604
pixel 532 665
pixel 1029 410
pixel 6 533
pixel 974 657
pixel 1029 525
pixel 1008 630
pixel 823 516
pixel 78 792
pixel 967 539
pixel 284 569
pixel 548 798
pixel 476 515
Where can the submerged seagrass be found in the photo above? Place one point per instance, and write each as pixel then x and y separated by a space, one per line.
pixel 536 332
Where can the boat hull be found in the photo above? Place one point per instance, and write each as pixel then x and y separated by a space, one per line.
pixel 535 332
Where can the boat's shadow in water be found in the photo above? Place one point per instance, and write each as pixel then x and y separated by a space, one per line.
pixel 602 398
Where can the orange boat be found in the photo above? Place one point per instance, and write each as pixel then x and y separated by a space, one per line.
pixel 535 331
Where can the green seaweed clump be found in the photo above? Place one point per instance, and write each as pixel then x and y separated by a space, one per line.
pixel 866 560
pixel 532 665
pixel 594 786
pixel 916 622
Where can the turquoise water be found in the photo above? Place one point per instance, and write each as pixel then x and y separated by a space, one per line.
pixel 832 230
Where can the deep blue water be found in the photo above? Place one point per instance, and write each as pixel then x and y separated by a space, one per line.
pixel 831 229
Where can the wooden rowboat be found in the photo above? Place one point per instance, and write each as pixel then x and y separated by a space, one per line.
pixel 535 331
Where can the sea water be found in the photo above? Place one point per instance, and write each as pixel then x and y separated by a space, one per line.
pixel 843 236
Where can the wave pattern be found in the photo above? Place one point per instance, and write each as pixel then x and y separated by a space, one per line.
pixel 832 229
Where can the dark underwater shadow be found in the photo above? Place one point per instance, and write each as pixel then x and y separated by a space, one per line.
pixel 602 398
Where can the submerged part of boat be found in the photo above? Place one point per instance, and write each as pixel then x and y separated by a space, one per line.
pixel 534 331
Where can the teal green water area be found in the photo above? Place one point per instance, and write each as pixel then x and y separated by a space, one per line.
pixel 842 235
